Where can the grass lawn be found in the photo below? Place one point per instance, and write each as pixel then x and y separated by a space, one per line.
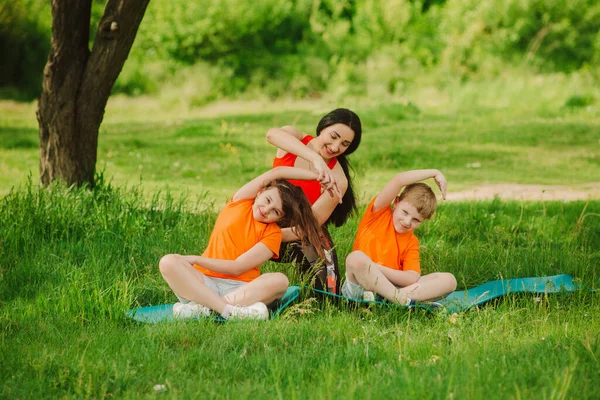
pixel 72 262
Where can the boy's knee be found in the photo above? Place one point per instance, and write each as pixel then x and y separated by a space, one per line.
pixel 357 260
pixel 451 279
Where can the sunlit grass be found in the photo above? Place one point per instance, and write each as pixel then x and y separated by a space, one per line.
pixel 217 148
pixel 72 262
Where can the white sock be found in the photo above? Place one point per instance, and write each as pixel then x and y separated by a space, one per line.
pixel 226 311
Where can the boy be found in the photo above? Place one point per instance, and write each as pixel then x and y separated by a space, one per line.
pixel 385 256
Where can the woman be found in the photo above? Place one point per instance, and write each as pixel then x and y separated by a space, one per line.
pixel 338 135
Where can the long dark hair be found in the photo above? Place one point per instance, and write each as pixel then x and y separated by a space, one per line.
pixel 343 116
pixel 298 214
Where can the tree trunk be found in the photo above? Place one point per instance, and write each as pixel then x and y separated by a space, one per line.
pixel 77 83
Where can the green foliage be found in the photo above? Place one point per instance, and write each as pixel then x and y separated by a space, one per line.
pixel 555 35
pixel 577 101
pixel 24 44
pixel 306 48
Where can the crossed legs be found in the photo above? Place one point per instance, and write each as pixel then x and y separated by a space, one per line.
pixel 361 270
pixel 188 283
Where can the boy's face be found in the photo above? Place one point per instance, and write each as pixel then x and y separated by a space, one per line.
pixel 267 206
pixel 406 218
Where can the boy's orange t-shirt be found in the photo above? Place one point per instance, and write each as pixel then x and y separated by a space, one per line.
pixel 378 239
pixel 235 232
pixel 311 189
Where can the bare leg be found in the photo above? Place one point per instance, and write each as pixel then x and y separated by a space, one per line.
pixel 432 286
pixel 266 288
pixel 361 270
pixel 188 283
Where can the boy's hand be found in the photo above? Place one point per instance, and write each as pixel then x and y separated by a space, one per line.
pixel 442 183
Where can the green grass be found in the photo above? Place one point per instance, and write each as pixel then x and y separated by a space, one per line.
pixel 73 262
pixel 513 131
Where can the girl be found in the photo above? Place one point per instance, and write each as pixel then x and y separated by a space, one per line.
pixel 226 277
pixel 338 135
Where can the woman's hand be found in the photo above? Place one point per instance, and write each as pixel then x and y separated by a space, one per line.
pixel 441 182
pixel 326 178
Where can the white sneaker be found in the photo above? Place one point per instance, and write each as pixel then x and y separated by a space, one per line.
pixel 368 296
pixel 190 310
pixel 255 311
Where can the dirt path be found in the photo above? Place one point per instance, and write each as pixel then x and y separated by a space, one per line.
pixel 529 192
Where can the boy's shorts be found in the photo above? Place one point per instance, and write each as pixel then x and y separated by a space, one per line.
pixel 219 285
pixel 355 292
pixel 352 290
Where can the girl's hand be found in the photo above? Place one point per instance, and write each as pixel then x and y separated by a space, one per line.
pixel 442 183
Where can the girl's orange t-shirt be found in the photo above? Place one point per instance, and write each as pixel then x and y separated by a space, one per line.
pixel 311 189
pixel 377 238
pixel 236 231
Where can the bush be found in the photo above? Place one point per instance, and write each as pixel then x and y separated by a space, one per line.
pixel 553 35
pixel 308 47
pixel 24 43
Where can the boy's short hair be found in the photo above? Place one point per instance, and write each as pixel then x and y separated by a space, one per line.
pixel 421 197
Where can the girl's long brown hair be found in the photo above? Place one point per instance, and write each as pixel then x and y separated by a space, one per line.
pixel 298 214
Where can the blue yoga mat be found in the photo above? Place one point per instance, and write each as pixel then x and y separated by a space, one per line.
pixel 464 299
pixel 164 312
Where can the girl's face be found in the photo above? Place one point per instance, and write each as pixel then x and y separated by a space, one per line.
pixel 267 207
pixel 406 217
pixel 334 140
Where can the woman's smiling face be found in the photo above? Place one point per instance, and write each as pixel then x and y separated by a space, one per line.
pixel 334 140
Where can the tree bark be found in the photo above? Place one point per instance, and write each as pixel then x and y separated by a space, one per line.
pixel 77 83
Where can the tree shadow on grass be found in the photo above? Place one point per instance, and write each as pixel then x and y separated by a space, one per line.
pixel 18 138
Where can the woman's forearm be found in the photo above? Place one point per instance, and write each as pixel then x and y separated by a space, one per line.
pixel 288 235
pixel 293 173
pixel 283 140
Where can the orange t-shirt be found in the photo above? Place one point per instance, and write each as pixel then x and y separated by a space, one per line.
pixel 311 189
pixel 378 239
pixel 235 232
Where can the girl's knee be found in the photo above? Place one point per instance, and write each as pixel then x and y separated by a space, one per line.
pixel 167 263
pixel 282 280
pixel 278 281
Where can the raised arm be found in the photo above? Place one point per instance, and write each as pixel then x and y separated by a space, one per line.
pixel 257 255
pixel 324 205
pixel 393 187
pixel 287 139
pixel 250 190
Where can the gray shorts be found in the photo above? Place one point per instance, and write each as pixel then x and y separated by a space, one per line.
pixel 352 290
pixel 219 285
pixel 356 292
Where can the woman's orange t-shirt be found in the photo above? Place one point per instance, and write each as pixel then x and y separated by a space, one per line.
pixel 236 231
pixel 377 238
pixel 311 189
